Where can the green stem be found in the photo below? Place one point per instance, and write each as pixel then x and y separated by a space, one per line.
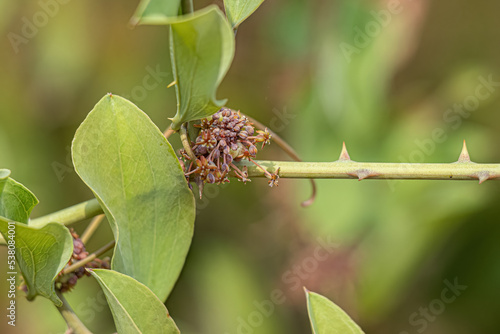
pixel 73 322
pixel 89 258
pixel 91 228
pixel 71 215
pixel 347 169
pixel 187 6
pixel 186 143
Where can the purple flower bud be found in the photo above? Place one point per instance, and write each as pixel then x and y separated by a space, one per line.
pixel 252 150
pixel 250 130
pixel 210 178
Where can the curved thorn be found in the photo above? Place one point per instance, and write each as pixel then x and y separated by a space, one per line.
pixel 344 155
pixel 312 198
pixel 483 176
pixel 464 155
pixel 364 174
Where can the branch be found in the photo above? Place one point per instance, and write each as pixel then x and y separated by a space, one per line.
pixel 71 215
pixel 345 168
pixel 187 6
pixel 75 325
pixel 89 258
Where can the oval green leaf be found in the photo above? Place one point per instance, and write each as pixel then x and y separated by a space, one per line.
pixel 41 253
pixel 135 308
pixel 134 173
pixel 238 11
pixel 16 201
pixel 201 51
pixel 328 318
pixel 155 11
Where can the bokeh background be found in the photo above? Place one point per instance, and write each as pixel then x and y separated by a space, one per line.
pixel 305 68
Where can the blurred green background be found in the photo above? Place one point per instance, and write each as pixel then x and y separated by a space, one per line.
pixel 318 72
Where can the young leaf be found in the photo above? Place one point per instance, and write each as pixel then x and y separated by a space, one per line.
pixel 155 11
pixel 238 11
pixel 201 50
pixel 134 173
pixel 328 318
pixel 41 254
pixel 135 308
pixel 16 201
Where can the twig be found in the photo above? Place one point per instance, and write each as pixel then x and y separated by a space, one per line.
pixel 168 132
pixel 345 168
pixel 186 143
pixel 70 215
pixel 91 228
pixel 187 6
pixel 89 258
pixel 74 323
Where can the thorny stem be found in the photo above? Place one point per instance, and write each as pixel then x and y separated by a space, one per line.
pixel 71 215
pixel 89 258
pixel 75 325
pixel 91 228
pixel 363 170
pixel 345 168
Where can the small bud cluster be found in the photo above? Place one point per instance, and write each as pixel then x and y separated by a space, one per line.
pixel 65 282
pixel 224 137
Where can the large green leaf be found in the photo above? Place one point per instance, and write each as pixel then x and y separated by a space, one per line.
pixel 155 11
pixel 41 254
pixel 135 308
pixel 201 49
pixel 134 173
pixel 328 318
pixel 238 11
pixel 16 201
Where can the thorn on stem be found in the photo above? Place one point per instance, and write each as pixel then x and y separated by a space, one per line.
pixel 362 174
pixel 464 155
pixel 344 155
pixel 483 176
pixel 172 84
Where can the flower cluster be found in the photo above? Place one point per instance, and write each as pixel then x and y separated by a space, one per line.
pixel 65 282
pixel 225 137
